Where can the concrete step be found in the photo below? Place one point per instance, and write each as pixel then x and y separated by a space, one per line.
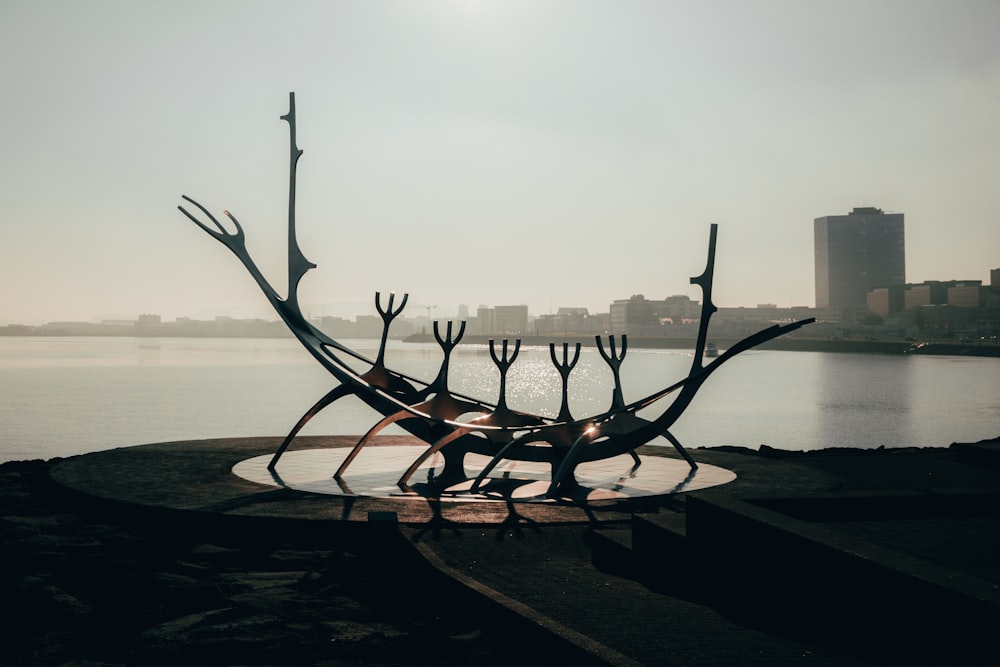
pixel 661 549
pixel 652 548
pixel 611 551
pixel 661 530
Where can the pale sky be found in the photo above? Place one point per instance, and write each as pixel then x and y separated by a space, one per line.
pixel 553 153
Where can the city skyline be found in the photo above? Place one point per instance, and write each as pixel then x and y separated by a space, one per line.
pixel 546 153
pixel 416 311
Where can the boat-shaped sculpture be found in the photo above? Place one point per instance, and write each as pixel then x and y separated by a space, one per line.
pixel 454 425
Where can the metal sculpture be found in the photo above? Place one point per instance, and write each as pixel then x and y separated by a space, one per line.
pixel 431 412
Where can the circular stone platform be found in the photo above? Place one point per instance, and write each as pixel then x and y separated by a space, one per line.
pixel 196 476
pixel 375 473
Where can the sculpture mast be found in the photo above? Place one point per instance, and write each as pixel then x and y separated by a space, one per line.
pixel 298 265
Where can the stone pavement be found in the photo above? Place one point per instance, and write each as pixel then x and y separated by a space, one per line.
pixel 918 515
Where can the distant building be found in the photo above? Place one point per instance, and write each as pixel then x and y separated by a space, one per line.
pixel 680 309
pixel 568 321
pixel 484 324
pixel 886 301
pixel 635 315
pixel 966 294
pixel 367 326
pixel 640 316
pixel 510 319
pixel 149 320
pixel 857 253
pixel 338 327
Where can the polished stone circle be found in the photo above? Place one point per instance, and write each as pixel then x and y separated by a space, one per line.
pixel 374 474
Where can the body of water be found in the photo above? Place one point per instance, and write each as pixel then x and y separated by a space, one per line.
pixel 68 396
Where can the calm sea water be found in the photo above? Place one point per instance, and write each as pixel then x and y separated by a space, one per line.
pixel 68 396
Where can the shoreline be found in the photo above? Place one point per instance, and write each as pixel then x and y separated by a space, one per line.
pixel 784 344
pixel 926 346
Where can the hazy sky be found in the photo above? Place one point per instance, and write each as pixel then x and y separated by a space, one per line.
pixel 554 153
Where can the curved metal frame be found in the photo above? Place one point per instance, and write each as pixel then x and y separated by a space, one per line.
pixel 431 412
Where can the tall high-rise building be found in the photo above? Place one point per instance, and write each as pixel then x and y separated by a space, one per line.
pixel 856 253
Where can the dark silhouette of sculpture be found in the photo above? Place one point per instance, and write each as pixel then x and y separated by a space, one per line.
pixel 431 412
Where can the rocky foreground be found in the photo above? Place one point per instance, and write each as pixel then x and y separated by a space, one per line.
pixel 84 588
pixel 86 581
